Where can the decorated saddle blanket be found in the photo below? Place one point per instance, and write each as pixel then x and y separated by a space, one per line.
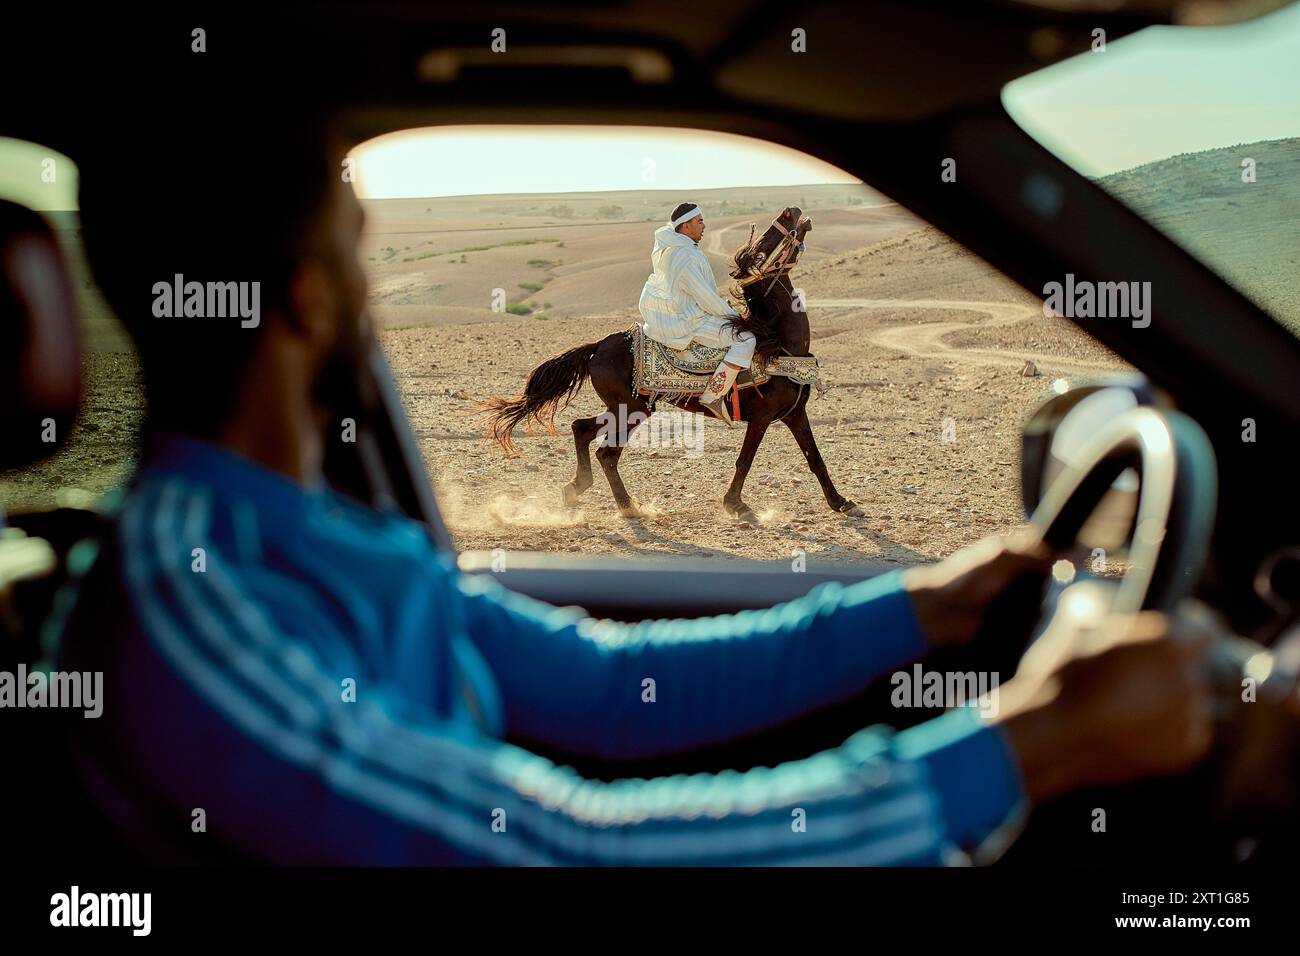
pixel 660 370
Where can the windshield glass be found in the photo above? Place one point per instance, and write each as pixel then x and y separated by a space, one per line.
pixel 1197 129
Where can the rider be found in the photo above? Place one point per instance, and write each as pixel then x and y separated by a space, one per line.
pixel 680 304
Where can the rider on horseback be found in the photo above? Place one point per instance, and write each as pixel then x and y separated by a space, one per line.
pixel 680 304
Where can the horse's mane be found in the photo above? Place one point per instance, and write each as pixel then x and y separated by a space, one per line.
pixel 757 313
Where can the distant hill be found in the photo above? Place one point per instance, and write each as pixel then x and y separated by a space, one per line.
pixel 1247 232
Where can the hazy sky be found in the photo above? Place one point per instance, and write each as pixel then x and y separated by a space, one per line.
pixel 473 160
pixel 1165 91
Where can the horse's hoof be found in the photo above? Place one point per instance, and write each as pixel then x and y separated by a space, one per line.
pixel 744 516
pixel 851 510
pixel 630 511
pixel 570 495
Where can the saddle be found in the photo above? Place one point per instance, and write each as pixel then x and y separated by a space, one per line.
pixel 660 370
pixel 683 373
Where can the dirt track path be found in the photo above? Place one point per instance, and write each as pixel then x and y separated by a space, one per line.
pixel 926 339
pixel 713 241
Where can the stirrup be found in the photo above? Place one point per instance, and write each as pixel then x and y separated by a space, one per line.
pixel 720 409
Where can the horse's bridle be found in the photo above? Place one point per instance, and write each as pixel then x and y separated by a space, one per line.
pixel 779 260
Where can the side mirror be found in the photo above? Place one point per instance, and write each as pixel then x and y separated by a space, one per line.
pixel 1060 422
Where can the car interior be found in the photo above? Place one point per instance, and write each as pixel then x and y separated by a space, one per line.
pixel 897 87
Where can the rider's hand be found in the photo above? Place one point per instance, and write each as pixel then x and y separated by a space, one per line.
pixel 1140 707
pixel 953 599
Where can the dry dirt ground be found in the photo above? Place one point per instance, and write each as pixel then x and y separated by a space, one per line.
pixel 910 331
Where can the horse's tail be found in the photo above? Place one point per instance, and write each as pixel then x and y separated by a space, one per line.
pixel 550 387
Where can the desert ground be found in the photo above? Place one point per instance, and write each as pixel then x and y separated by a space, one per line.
pixel 919 341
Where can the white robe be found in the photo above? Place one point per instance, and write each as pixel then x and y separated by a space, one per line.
pixel 680 298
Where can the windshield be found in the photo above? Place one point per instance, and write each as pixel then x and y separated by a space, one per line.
pixel 1197 129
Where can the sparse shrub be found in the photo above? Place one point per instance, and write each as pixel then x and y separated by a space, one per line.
pixel 531 286
pixel 518 308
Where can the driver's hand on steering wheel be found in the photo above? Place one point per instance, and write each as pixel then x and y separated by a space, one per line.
pixel 953 599
pixel 1139 707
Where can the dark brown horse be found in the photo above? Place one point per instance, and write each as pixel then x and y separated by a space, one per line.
pixel 770 310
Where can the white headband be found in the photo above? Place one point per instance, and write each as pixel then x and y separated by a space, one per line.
pixel 686 216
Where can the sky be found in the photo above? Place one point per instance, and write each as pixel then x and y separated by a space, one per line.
pixel 1165 91
pixel 477 160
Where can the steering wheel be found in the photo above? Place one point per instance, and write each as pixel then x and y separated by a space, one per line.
pixel 1169 544
pixel 1175 513
pixel 1171 530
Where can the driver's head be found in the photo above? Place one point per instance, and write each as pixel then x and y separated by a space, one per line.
pixel 229 252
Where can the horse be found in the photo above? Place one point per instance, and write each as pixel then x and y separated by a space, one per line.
pixel 771 310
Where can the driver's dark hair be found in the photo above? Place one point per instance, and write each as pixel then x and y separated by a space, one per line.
pixel 678 211
pixel 243 208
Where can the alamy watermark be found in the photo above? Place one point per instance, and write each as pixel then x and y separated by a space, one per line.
pixel 1098 300
pixel 77 909
pixel 947 689
pixel 77 690
pixel 208 300
pixel 670 428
